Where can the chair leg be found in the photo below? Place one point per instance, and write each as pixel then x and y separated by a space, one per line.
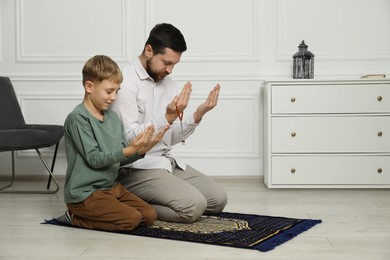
pixel 52 165
pixel 13 173
pixel 50 173
pixel 4 190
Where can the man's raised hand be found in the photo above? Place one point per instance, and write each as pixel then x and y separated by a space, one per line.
pixel 178 104
pixel 210 103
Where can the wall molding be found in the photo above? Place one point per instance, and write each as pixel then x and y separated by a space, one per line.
pixel 253 56
pixel 198 78
pixel 44 95
pixel 22 77
pixel 253 151
pixel 22 57
pixel 282 55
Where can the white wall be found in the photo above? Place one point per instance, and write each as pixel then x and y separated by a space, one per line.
pixel 237 43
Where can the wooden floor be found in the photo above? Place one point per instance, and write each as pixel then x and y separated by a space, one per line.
pixel 356 225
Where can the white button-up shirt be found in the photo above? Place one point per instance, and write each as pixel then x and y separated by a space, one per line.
pixel 141 102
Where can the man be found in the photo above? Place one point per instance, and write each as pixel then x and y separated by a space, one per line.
pixel 178 192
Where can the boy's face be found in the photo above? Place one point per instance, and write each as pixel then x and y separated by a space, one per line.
pixel 102 94
pixel 160 65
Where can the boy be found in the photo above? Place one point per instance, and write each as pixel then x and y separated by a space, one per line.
pixel 95 148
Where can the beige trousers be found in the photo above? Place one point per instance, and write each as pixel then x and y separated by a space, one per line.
pixel 181 196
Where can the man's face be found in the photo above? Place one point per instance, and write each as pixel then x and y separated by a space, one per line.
pixel 160 65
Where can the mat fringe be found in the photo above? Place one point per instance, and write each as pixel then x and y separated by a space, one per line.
pixel 286 235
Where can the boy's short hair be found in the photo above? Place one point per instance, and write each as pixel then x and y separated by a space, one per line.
pixel 165 35
pixel 101 67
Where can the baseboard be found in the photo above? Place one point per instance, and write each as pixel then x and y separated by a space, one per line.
pixel 256 179
pixel 61 178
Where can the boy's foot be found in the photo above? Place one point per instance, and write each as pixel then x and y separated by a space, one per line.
pixel 65 219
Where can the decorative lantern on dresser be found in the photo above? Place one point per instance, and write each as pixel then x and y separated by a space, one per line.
pixel 303 66
pixel 327 133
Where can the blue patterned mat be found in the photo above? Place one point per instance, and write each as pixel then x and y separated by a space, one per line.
pixel 248 231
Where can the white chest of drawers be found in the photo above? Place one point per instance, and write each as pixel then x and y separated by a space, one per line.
pixel 327 133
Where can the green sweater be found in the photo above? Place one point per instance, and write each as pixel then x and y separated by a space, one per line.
pixel 93 152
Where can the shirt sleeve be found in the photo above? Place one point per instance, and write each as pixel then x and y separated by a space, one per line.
pixel 79 130
pixel 188 129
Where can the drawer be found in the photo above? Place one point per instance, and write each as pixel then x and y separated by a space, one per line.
pixel 333 134
pixel 331 99
pixel 328 170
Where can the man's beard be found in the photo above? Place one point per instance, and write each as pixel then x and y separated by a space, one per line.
pixel 155 76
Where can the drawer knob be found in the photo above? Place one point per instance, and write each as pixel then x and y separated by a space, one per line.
pixel 379 98
pixel 380 133
pixel 379 170
pixel 292 170
pixel 293 134
pixel 293 99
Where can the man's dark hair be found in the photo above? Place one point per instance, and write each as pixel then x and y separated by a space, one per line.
pixel 166 35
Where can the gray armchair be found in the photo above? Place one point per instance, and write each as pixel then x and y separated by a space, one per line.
pixel 16 135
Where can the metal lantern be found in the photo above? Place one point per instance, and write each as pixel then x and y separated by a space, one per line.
pixel 303 67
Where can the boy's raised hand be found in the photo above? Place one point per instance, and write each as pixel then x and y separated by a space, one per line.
pixel 142 138
pixel 153 139
pixel 148 138
pixel 145 141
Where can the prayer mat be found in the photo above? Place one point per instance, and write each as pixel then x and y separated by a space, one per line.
pixel 248 231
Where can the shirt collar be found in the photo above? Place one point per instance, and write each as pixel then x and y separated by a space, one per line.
pixel 140 70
